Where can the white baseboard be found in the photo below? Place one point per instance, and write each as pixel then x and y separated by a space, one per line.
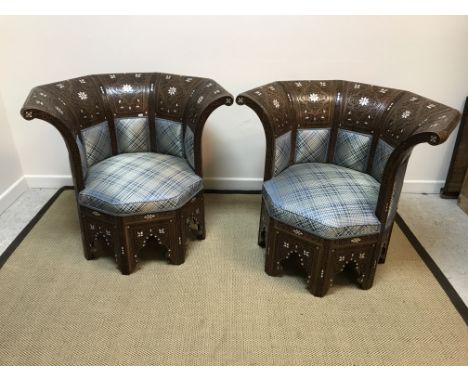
pixel 48 181
pixel 237 184
pixel 423 186
pixel 12 193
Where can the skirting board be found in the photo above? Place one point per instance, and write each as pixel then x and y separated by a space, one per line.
pixel 8 196
pixel 237 184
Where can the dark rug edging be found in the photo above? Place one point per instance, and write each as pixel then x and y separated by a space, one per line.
pixel 452 294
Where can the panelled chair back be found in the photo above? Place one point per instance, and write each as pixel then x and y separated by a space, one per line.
pixel 336 156
pixel 134 142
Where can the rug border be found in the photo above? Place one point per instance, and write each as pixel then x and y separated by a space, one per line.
pixel 450 291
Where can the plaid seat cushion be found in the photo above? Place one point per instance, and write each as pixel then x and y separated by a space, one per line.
pixel 327 200
pixel 139 183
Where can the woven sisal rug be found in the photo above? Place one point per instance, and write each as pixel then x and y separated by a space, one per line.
pixel 219 308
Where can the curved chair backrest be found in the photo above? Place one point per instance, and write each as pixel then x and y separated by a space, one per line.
pixel 108 114
pixel 351 124
pixel 368 128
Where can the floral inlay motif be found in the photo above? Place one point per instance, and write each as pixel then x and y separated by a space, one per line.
pixel 276 103
pixel 137 75
pixel 200 99
pixel 83 96
pixel 126 88
pixel 298 84
pixel 412 99
pixel 258 92
pixel 112 76
pixel 60 86
pixel 59 110
pixel 431 106
pixel 357 86
pixel 383 90
pixel 322 83
pixel 172 90
pixel 313 97
pixel 405 114
pixel 189 79
pixel 363 101
pixel 82 81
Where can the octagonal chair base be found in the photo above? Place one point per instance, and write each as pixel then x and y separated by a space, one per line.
pixel 126 236
pixel 320 258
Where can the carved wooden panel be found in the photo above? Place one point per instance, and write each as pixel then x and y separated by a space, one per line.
pixel 127 93
pixel 314 102
pixel 172 94
pixel 162 232
pixel 363 106
pixel 287 245
pixel 277 106
pixel 84 97
pixel 49 99
pixel 412 113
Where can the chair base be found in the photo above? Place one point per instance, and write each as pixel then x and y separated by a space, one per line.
pixel 126 236
pixel 321 259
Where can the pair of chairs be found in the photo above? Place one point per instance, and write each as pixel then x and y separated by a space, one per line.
pixel 336 156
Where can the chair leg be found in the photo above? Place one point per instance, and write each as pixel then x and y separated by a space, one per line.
pixel 176 249
pixel 319 279
pixel 273 266
pixel 126 259
pixel 262 227
pixel 386 241
pixel 201 234
pixel 369 274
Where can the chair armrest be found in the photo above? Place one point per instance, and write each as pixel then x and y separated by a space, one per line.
pixel 205 98
pixel 42 103
pixel 273 106
pixel 412 120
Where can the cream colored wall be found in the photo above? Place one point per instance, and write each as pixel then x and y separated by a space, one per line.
pixel 426 55
pixel 11 174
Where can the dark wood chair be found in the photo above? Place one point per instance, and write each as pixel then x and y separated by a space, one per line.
pixel 134 142
pixel 336 156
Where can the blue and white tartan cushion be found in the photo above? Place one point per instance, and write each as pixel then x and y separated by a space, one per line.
pixel 139 183
pixel 84 165
pixel 312 145
pixel 188 146
pixel 282 152
pixel 352 149
pixel 97 143
pixel 132 134
pixel 324 199
pixel 382 153
pixel 169 137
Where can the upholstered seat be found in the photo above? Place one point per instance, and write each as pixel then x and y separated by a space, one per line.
pixel 139 183
pixel 324 199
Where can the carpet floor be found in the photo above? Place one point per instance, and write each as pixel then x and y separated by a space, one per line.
pixel 218 308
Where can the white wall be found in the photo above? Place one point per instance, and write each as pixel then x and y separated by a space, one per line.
pixel 12 182
pixel 426 55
